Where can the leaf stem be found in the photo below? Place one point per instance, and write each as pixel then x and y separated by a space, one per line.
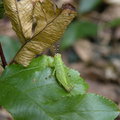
pixel 4 63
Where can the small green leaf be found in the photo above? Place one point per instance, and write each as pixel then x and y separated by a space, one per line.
pixel 114 23
pixel 10 47
pixel 33 93
pixel 1 9
pixel 88 5
pixel 76 30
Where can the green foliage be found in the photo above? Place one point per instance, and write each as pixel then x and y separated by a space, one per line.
pixel 76 30
pixel 88 5
pixel 10 47
pixel 1 9
pixel 114 23
pixel 33 93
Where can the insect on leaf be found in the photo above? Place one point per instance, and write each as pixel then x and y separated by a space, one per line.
pixel 33 93
pixel 61 74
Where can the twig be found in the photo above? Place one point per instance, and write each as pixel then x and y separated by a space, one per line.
pixel 4 63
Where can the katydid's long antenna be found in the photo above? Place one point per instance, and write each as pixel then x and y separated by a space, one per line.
pixel 4 63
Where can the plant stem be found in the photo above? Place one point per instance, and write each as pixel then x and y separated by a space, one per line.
pixel 4 63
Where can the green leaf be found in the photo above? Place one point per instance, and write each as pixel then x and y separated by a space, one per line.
pixel 1 9
pixel 76 30
pixel 10 47
pixel 114 23
pixel 88 5
pixel 33 93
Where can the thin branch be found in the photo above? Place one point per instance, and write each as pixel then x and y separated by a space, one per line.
pixel 4 63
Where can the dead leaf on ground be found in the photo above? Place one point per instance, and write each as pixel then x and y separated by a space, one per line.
pixel 115 2
pixel 84 50
pixel 4 115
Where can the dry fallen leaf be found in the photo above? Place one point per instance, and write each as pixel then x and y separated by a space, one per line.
pixel 38 25
pixel 116 2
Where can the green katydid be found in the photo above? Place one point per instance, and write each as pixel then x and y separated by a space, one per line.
pixel 60 73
